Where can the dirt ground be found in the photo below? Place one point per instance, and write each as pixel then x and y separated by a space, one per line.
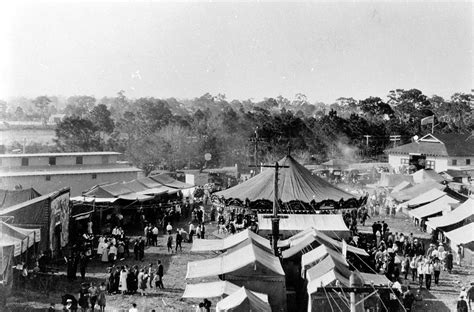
pixel 36 298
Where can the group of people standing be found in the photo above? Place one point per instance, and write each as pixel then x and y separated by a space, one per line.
pixel 130 280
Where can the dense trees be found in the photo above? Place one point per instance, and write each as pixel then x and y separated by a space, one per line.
pixel 173 134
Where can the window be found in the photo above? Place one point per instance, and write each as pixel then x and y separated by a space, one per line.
pixel 454 162
pixel 52 161
pixel 79 160
pixel 430 164
pixel 94 176
pixel 468 161
pixel 404 161
pixel 48 178
pixel 24 161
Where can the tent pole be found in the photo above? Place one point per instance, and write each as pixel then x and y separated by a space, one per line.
pixel 275 219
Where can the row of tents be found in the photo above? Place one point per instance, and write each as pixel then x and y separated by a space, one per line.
pixel 427 198
pixel 253 279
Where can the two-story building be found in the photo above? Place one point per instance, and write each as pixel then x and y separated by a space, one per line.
pixel 439 152
pixel 49 172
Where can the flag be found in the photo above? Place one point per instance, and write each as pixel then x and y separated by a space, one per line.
pixel 427 120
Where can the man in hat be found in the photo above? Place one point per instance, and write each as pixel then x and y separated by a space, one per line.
pixel 470 295
pixel 461 305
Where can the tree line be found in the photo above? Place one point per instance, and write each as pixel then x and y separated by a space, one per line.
pixel 176 134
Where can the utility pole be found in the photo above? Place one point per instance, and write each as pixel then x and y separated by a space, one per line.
pixel 256 139
pixel 395 138
pixel 275 217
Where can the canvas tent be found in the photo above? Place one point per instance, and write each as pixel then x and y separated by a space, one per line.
pixel 424 198
pixel 166 180
pixel 401 186
pixel 49 212
pixel 423 176
pixel 12 197
pixel 249 266
pixel 463 235
pixel 440 205
pixel 301 240
pixel 314 256
pixel 332 225
pixel 215 289
pixel 200 245
pixel 390 180
pixel 295 183
pixel 463 213
pixel 242 300
pixel 20 238
pixel 414 191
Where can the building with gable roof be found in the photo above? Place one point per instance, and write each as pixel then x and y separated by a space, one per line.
pixel 439 152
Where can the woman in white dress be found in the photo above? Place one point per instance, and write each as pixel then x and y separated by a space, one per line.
pixel 101 246
pixel 123 281
pixel 105 253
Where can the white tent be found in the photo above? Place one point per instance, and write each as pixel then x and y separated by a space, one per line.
pixel 230 241
pixel 463 235
pixel 332 225
pixel 463 212
pixel 424 198
pixel 311 258
pixel 442 204
pixel 215 289
pixel 401 186
pixel 243 300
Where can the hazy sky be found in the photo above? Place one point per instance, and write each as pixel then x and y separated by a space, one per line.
pixel 244 50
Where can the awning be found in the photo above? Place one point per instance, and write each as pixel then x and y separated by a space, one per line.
pixel 463 212
pixel 311 258
pixel 215 289
pixel 169 181
pixel 136 197
pixel 441 204
pixel 86 199
pixel 200 245
pixel 156 190
pixel 243 300
pixel 81 211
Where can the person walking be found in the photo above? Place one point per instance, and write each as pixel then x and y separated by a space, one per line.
pixel 420 272
pixel 203 231
pixel 413 268
pixel 141 249
pixel 155 233
pixel 436 271
pixel 84 297
pixel 160 273
pixel 169 228
pixel 101 299
pixel 449 261
pixel 428 271
pixel 179 239
pixel 93 294
pixel 169 243
pixel 470 295
pixel 141 282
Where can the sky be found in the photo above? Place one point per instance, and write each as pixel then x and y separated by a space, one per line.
pixel 245 50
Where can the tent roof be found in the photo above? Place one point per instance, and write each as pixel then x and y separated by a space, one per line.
pixel 427 175
pixel 436 206
pixel 7 210
pixel 301 240
pixel 162 189
pixel 401 186
pixel 135 196
pixel 150 183
pixel 300 222
pixel 326 279
pixel 415 190
pixel 237 259
pixel 12 197
pixel 229 241
pixel 243 300
pixel 392 179
pixel 294 183
pixel 108 190
pixel 21 238
pixel 165 179
pixel 459 214
pixel 135 186
pixel 215 289
pixel 424 198
pixel 462 235
pixel 319 253
pixel 86 199
pixel 327 264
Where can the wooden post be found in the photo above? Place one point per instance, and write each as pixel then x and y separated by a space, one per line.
pixel 275 219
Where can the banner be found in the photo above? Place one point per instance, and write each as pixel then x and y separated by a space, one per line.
pixel 59 221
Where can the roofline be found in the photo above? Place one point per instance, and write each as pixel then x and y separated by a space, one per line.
pixel 65 172
pixel 34 200
pixel 60 154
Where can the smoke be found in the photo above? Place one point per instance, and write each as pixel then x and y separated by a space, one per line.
pixel 347 152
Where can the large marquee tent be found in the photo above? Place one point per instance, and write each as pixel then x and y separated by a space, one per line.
pixel 464 213
pixel 200 245
pixel 243 300
pixel 440 205
pixel 297 187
